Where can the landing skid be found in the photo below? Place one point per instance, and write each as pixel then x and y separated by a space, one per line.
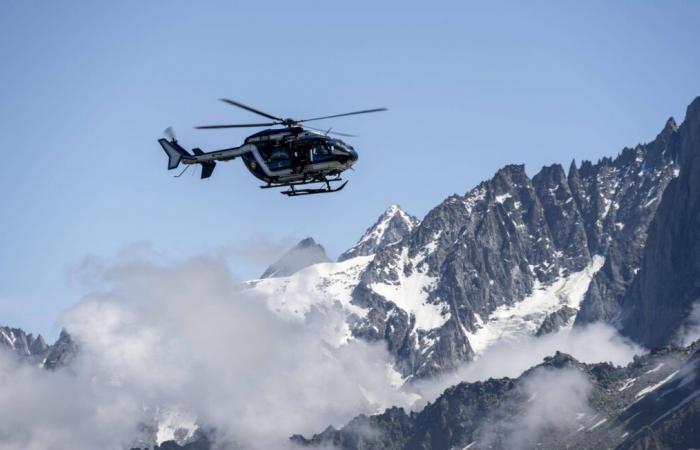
pixel 293 191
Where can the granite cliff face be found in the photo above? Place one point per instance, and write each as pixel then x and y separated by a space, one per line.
pixel 436 296
pixel 658 304
pixel 638 197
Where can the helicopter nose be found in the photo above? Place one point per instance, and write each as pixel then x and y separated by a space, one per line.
pixel 353 155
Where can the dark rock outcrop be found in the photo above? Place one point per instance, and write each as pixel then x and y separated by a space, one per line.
pixel 556 320
pixel 62 352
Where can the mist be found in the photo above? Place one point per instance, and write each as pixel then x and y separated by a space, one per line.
pixel 556 401
pixel 187 336
pixel 689 332
pixel 594 343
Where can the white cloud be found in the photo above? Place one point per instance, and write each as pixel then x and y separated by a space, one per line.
pixel 556 401
pixel 186 336
pixel 595 343
pixel 690 331
pixel 44 410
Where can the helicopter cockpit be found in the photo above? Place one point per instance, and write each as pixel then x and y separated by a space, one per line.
pixel 283 155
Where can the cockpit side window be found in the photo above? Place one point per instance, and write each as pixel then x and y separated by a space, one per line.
pixel 322 149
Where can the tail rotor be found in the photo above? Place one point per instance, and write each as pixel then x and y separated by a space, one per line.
pixel 170 133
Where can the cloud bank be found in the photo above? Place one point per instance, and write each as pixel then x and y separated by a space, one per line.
pixel 186 336
pixel 595 343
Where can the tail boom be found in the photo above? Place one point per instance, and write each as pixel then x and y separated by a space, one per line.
pixel 176 155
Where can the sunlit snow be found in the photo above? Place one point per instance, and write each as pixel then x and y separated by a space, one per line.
pixel 411 292
pixel 319 285
pixel 525 317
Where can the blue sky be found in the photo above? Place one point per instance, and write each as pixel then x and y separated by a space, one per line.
pixel 86 88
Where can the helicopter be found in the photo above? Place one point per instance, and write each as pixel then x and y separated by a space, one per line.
pixel 290 157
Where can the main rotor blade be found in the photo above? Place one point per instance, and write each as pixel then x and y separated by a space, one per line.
pixel 248 108
pixel 239 125
pixel 330 131
pixel 344 114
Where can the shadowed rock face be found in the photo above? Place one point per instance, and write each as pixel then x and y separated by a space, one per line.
pixel 304 254
pixel 62 352
pixel 556 320
pixel 640 193
pixel 668 283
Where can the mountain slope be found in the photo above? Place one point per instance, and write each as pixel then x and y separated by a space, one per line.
pixel 560 403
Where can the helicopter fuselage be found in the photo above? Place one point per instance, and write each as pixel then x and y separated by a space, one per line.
pixel 295 154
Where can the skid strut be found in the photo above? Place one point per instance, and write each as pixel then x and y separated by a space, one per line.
pixel 294 191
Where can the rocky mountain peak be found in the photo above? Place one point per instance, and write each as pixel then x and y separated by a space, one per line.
pixel 391 227
pixel 671 125
pixel 62 352
pixel 307 252
pixel 692 114
pixel 23 344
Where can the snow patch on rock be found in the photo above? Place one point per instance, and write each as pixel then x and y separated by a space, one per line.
pixel 525 317
pixel 411 292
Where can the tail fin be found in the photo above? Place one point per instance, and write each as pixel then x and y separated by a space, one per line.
pixel 208 169
pixel 174 151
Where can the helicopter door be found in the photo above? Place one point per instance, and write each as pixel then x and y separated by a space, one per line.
pixel 279 158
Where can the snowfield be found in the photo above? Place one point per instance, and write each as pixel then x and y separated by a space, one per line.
pixel 525 317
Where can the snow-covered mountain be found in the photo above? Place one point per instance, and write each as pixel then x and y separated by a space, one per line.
pixel 513 256
pixel 391 227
